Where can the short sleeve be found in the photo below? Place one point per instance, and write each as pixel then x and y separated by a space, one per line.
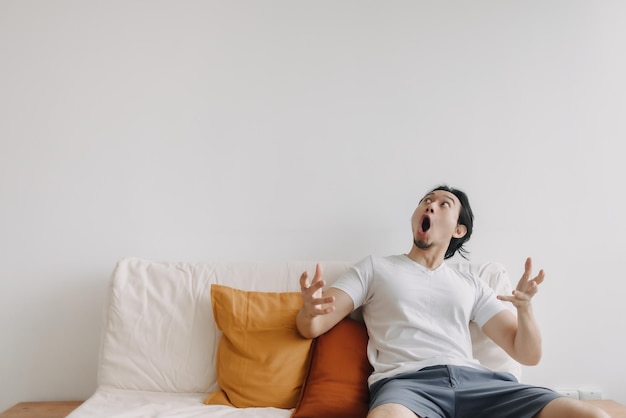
pixel 486 305
pixel 356 281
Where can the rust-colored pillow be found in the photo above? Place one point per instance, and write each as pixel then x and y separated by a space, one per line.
pixel 336 382
pixel 261 357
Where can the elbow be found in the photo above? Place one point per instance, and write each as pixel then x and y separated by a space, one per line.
pixel 531 360
pixel 306 333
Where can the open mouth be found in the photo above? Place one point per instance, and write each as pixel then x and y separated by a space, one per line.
pixel 425 224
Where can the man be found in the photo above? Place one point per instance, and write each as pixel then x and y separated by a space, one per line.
pixel 417 312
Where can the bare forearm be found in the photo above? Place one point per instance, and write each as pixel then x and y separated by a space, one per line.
pixel 527 343
pixel 522 339
pixel 310 327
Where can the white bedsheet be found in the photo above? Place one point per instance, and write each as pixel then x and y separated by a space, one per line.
pixel 122 403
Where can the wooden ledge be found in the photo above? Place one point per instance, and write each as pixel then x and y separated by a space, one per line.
pixel 59 409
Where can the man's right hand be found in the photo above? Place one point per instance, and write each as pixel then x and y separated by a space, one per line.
pixel 313 301
pixel 320 310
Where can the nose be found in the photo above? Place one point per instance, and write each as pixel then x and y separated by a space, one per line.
pixel 430 208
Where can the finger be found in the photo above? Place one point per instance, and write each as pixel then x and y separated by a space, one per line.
pixel 518 298
pixel 506 298
pixel 315 286
pixel 540 277
pixel 523 281
pixel 532 286
pixel 323 311
pixel 303 281
pixel 318 273
pixel 528 268
pixel 323 300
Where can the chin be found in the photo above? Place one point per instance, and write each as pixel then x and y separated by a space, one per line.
pixel 423 245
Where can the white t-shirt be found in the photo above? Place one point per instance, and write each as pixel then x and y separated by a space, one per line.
pixel 417 317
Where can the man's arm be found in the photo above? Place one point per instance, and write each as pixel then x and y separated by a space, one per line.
pixel 320 310
pixel 519 337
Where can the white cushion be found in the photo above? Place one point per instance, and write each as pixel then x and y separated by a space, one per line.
pixel 485 350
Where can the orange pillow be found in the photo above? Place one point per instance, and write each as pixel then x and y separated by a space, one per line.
pixel 261 356
pixel 336 382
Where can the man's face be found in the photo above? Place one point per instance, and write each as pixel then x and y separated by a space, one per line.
pixel 435 220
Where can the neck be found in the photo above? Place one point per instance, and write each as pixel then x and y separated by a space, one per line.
pixel 430 258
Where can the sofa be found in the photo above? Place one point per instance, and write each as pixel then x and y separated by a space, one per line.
pixel 187 340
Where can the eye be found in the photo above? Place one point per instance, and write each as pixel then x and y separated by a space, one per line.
pixel 445 204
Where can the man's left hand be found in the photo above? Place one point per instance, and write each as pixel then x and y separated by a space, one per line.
pixel 526 288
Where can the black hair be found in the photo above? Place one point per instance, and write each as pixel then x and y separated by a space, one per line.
pixel 466 217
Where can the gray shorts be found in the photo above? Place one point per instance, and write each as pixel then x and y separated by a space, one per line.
pixel 461 392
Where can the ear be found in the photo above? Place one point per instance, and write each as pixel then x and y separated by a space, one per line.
pixel 459 231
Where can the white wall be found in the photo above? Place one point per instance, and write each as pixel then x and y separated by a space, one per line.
pixel 276 130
